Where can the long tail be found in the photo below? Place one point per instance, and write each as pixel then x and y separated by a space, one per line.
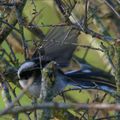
pixel 93 80
pixel 90 77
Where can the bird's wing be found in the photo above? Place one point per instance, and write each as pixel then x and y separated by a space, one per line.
pixel 59 44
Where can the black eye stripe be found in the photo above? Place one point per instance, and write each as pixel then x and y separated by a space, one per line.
pixel 28 73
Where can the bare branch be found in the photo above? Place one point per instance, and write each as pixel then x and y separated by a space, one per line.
pixel 103 106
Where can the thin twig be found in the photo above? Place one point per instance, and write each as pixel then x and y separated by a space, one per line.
pixel 20 21
pixel 14 94
pixel 112 8
pixel 86 14
pixel 10 25
pixel 13 54
pixel 17 98
pixel 75 44
pixel 88 31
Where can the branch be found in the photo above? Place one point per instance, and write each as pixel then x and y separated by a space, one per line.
pixel 19 9
pixel 11 21
pixel 39 34
pixel 103 106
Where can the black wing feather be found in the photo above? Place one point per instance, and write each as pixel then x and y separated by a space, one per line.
pixel 58 45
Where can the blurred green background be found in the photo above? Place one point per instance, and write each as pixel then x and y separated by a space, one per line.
pixel 49 16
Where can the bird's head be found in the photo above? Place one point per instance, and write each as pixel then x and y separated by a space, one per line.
pixel 28 69
pixel 29 74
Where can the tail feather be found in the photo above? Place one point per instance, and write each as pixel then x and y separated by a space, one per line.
pixel 93 80
pixel 89 77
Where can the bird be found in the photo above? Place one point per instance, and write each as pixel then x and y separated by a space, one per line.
pixel 57 47
pixel 85 78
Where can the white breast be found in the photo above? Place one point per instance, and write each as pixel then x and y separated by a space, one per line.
pixel 34 89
